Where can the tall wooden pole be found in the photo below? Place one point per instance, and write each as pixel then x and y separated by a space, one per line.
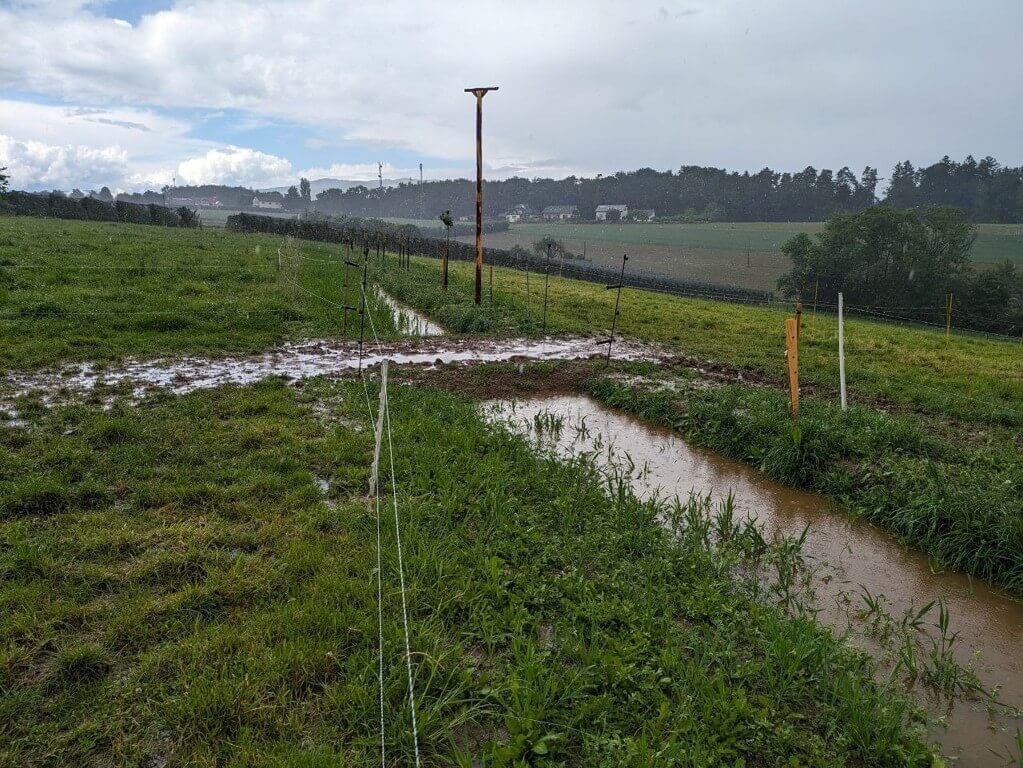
pixel 479 93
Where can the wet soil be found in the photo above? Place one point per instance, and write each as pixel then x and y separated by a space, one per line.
pixel 296 361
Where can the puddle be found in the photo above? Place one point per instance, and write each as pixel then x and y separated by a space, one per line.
pixel 407 320
pixel 324 485
pixel 852 552
pixel 303 360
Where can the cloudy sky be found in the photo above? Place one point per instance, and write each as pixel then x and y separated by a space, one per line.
pixel 134 93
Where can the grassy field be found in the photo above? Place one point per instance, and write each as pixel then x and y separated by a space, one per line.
pixel 745 254
pixel 965 378
pixel 177 587
pixel 73 291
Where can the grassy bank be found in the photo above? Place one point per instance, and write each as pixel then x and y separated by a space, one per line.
pixel 73 291
pixel 177 588
pixel 965 378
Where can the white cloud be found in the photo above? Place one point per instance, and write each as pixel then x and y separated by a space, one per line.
pixel 234 166
pixel 586 85
pixel 149 143
pixel 37 165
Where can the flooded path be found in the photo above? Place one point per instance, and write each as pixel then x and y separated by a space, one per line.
pixel 407 320
pixel 850 552
pixel 303 360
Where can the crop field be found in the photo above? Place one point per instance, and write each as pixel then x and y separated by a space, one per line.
pixel 192 578
pixel 217 217
pixel 744 254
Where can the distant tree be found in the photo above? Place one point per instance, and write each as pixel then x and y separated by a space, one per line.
pixel 293 201
pixel 77 194
pixel 557 248
pixel 105 195
pixel 995 299
pixel 305 191
pixel 882 257
pixel 4 178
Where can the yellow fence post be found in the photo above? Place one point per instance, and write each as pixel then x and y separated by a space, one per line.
pixel 792 357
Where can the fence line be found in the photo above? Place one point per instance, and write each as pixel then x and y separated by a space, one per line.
pixel 390 238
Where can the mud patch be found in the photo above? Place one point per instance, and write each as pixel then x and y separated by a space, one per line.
pixel 297 361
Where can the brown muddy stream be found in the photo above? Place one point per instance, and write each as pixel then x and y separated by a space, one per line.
pixel 851 555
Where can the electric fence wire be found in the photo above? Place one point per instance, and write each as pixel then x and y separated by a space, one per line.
pixel 397 536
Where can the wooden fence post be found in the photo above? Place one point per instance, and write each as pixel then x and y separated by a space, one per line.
pixel 841 352
pixel 792 357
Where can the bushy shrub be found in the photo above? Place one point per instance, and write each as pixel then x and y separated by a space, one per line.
pixel 58 206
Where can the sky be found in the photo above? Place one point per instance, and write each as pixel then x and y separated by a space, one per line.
pixel 133 95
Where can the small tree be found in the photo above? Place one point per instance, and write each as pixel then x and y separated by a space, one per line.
pixel 292 200
pixel 305 191
pixel 4 179
pixel 448 222
pixel 557 248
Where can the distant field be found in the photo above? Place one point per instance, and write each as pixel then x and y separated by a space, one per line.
pixel 217 217
pixel 746 254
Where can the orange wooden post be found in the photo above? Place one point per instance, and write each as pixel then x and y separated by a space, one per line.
pixel 792 357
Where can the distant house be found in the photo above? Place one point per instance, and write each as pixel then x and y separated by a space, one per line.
pixel 517 213
pixel 195 202
pixel 273 205
pixel 559 212
pixel 604 210
pixel 642 214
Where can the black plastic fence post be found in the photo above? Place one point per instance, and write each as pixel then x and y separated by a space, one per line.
pixel 618 299
pixel 362 306
pixel 344 325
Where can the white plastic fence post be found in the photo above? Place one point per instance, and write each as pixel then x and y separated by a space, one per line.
pixel 841 351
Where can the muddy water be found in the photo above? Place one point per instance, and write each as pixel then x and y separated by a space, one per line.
pixel 408 320
pixel 851 553
pixel 303 360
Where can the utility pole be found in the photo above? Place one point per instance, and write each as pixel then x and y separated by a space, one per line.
pixel 479 93
pixel 421 215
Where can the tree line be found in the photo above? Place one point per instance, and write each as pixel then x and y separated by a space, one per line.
pixel 911 264
pixel 985 190
pixel 59 206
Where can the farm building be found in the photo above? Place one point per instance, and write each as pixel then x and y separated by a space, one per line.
pixel 560 212
pixel 269 204
pixel 614 212
pixel 517 213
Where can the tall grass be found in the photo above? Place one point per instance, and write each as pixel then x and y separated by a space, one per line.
pixel 184 592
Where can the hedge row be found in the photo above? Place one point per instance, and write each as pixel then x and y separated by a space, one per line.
pixel 89 209
pixel 374 234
